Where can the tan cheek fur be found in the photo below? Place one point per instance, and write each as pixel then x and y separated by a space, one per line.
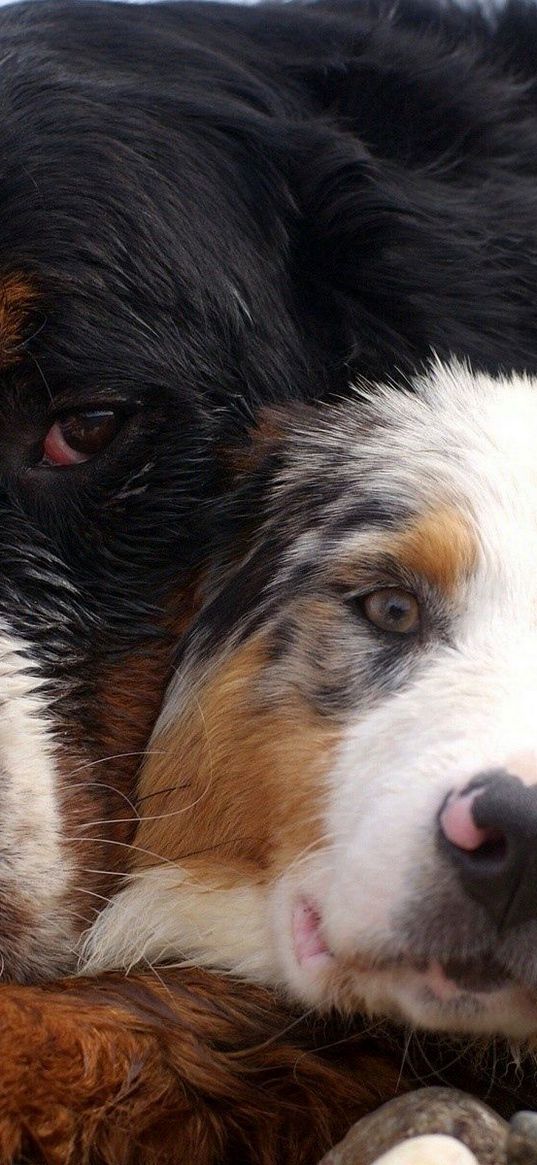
pixel 235 780
pixel 239 780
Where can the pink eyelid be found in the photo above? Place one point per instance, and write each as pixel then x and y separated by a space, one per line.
pixel 56 451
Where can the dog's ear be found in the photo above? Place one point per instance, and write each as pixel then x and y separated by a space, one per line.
pixel 391 248
pixel 353 233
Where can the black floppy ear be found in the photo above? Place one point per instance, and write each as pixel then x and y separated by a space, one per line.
pixel 417 192
pixel 397 261
pixel 353 230
pixel 364 256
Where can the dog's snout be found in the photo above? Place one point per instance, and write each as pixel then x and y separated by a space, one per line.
pixel 489 832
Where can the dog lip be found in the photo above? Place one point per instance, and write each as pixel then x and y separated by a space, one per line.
pixel 480 975
pixel 474 975
pixel 447 977
pixel 309 945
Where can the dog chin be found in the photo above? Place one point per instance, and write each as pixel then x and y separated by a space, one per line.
pixel 418 993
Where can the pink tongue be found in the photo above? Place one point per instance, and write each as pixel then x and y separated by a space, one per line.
pixel 306 934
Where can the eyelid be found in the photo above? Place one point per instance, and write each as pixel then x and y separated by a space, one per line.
pixel 78 436
pixel 356 578
pixel 60 415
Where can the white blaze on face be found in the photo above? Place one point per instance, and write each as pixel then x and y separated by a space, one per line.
pixel 34 867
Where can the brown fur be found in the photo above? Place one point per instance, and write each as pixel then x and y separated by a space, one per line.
pixel 439 547
pixel 265 438
pixel 99 783
pixel 186 1068
pixel 17 298
pixel 252 772
pixel 182 1068
pixel 128 695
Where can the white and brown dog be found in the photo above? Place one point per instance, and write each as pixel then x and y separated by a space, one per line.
pixel 343 779
pixel 338 802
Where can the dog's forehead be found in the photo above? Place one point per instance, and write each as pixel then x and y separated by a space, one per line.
pixel 439 479
pixel 456 448
pixel 457 439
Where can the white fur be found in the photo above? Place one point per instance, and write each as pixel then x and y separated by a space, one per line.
pixel 470 443
pixel 460 441
pixel 164 903
pixel 34 869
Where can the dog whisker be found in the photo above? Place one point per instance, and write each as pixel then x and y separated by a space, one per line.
pixel 82 917
pixel 102 785
pixel 102 760
pixel 139 819
pixel 163 792
pixel 404 1057
pixel 43 378
pixel 376 1027
pixel 279 1035
pixel 228 843
pixel 123 845
pixel 92 894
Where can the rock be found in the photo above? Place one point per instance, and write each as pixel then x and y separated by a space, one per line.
pixel 521 1146
pixel 423 1112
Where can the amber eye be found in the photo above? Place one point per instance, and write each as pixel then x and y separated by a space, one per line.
pixel 391 609
pixel 77 437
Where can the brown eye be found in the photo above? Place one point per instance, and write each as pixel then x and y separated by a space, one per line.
pixel 79 436
pixel 391 609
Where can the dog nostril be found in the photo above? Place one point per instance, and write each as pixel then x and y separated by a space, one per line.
pixel 492 849
pixel 458 825
pixel 460 830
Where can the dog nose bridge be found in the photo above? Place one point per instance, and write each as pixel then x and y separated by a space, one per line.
pixel 488 831
pixel 524 766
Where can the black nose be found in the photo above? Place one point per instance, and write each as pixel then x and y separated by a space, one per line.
pixel 488 830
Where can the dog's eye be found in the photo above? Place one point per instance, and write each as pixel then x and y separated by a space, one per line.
pixel 77 437
pixel 391 609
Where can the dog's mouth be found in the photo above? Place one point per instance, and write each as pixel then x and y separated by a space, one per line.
pixel 309 946
pixel 443 979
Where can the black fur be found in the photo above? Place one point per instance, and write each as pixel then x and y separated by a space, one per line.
pixel 220 207
pixel 223 206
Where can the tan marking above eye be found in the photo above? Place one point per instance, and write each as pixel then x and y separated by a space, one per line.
pixel 392 609
pixel 439 546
